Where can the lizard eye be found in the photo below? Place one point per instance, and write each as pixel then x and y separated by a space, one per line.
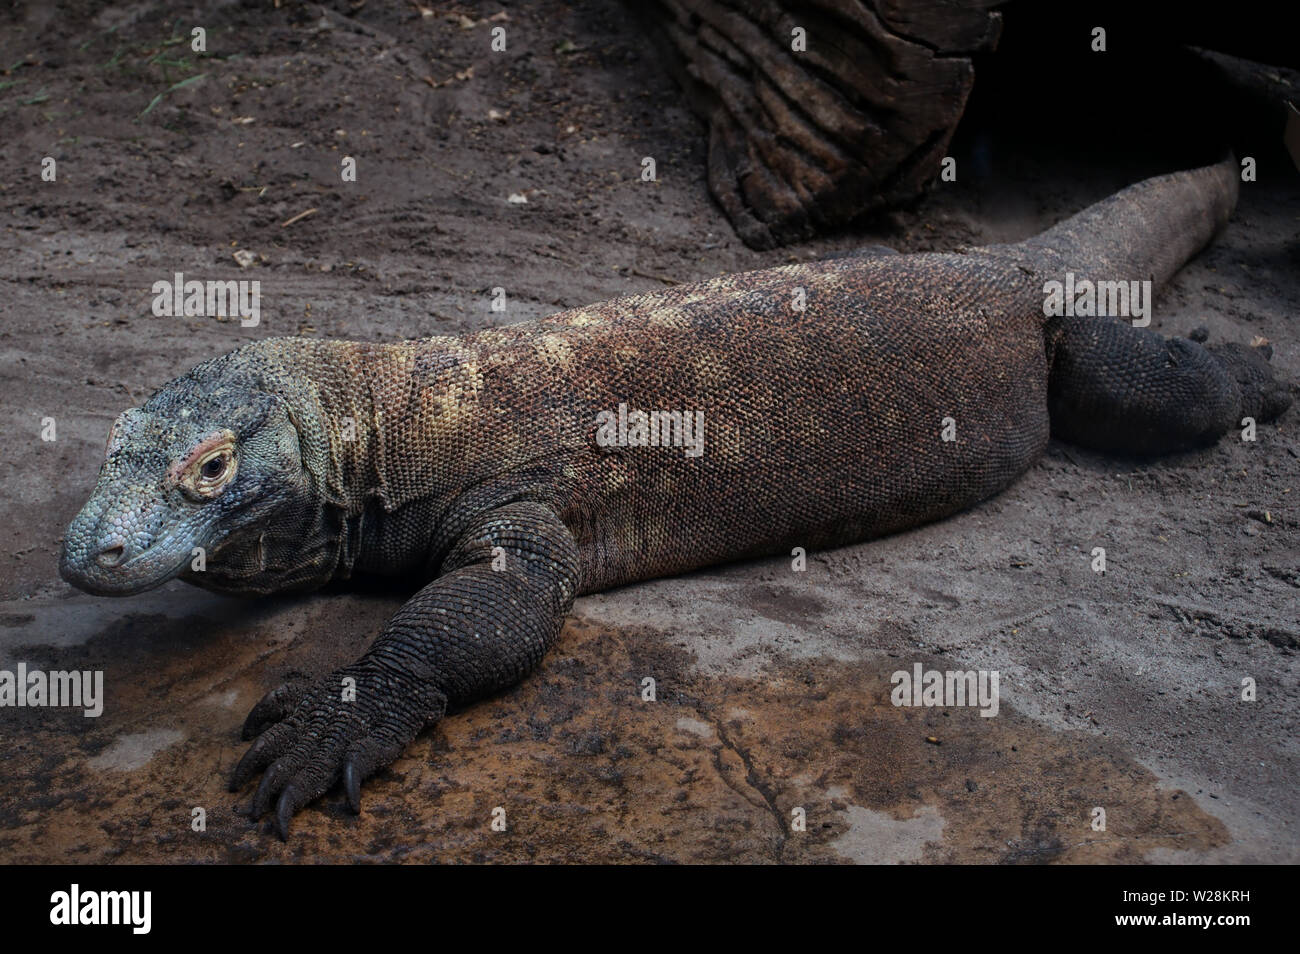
pixel 208 468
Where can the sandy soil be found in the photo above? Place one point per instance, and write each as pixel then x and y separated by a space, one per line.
pixel 1119 691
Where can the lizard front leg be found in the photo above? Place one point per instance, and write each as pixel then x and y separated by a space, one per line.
pixel 474 630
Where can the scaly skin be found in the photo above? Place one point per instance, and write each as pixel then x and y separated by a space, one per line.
pixel 470 464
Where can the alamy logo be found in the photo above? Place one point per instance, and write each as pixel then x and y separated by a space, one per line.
pixel 624 428
pixel 211 299
pixel 81 690
pixel 103 907
pixel 932 688
pixel 1087 298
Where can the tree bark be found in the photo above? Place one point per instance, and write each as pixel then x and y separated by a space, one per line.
pixel 801 141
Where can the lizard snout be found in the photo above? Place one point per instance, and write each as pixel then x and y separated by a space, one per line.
pixel 118 552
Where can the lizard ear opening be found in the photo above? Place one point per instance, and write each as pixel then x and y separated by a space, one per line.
pixel 306 439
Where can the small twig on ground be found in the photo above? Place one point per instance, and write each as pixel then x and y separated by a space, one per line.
pixel 300 215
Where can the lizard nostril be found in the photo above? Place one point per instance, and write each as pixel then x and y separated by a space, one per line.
pixel 111 556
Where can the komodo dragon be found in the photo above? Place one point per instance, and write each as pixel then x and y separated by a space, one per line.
pixel 475 464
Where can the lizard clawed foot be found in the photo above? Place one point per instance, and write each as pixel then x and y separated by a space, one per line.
pixel 346 727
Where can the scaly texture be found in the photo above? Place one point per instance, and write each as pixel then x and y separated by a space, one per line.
pixel 477 464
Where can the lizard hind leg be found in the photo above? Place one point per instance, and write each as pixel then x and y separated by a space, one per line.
pixel 1113 387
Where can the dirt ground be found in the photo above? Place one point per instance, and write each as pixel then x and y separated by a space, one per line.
pixel 1120 691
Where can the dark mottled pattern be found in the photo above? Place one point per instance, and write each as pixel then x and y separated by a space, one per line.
pixel 472 462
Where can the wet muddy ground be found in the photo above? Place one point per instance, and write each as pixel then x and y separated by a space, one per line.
pixel 1120 692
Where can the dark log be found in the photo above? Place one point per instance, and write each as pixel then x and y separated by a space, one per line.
pixel 801 142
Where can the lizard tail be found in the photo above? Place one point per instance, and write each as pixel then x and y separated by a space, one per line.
pixel 1115 385
pixel 1147 231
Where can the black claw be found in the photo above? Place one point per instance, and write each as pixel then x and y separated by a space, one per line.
pixel 352 786
pixel 265 793
pixel 284 810
pixel 248 765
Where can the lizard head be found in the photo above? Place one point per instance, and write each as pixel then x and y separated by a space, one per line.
pixel 201 464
